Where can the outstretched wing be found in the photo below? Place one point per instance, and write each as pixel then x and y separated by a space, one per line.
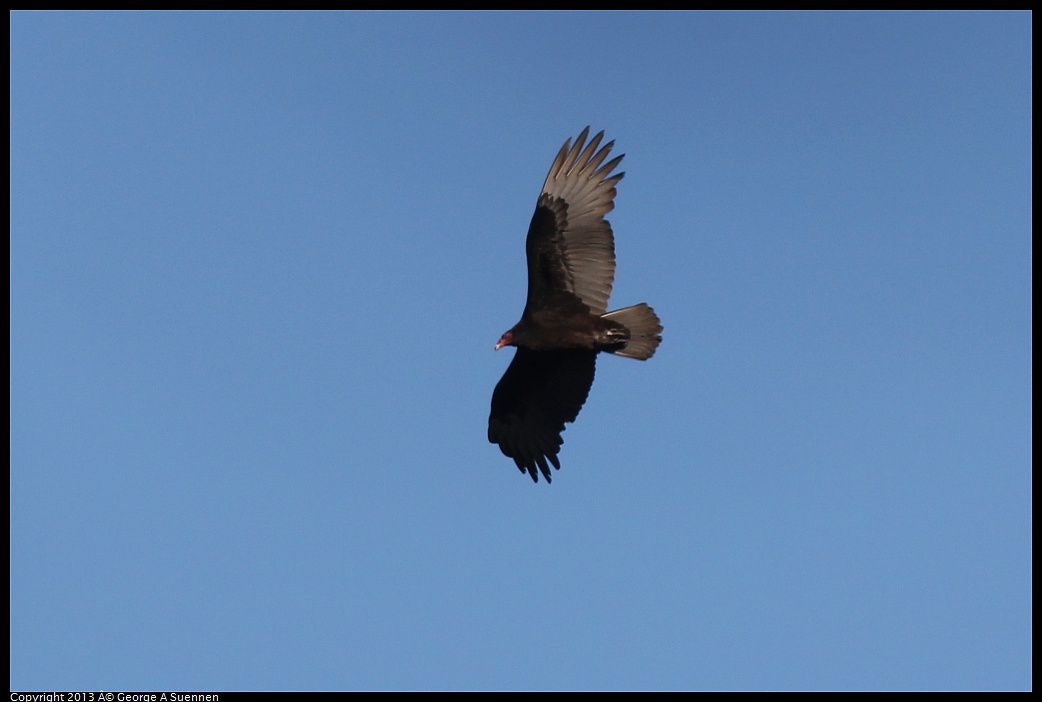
pixel 539 393
pixel 570 247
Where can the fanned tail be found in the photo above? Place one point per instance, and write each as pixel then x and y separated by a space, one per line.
pixel 645 331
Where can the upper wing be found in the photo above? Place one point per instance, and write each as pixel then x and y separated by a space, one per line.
pixel 570 245
pixel 539 393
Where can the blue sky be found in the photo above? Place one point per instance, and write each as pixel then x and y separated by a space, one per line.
pixel 258 265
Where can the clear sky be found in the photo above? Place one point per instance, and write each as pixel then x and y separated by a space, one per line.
pixel 258 266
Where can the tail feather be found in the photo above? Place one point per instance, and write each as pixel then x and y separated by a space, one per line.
pixel 645 331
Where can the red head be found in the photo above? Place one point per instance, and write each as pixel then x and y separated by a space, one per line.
pixel 506 340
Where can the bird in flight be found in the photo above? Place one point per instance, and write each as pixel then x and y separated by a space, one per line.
pixel 565 323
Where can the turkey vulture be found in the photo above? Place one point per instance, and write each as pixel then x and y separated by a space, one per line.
pixel 565 324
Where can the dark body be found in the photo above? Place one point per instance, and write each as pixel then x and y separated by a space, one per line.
pixel 571 269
